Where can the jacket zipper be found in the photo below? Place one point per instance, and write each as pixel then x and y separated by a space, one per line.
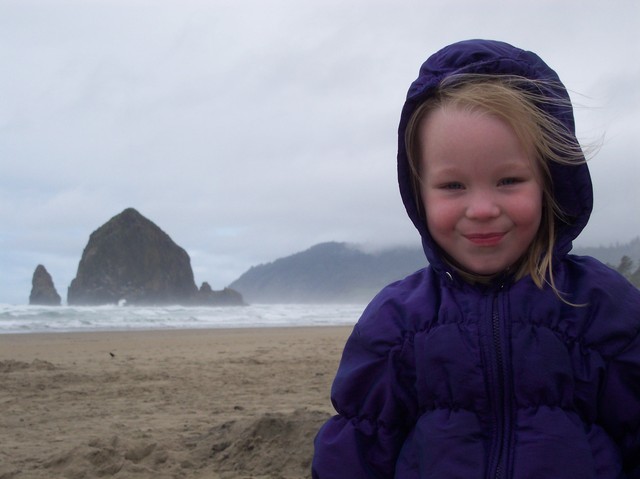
pixel 501 413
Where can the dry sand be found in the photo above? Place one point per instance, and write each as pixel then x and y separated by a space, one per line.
pixel 242 403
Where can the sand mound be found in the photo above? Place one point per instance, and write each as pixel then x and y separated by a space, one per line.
pixel 110 457
pixel 274 445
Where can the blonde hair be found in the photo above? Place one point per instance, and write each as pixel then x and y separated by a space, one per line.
pixel 525 105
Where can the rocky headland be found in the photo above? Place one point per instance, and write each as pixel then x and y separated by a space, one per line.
pixel 130 259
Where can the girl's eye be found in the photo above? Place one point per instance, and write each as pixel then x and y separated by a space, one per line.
pixel 453 185
pixel 509 181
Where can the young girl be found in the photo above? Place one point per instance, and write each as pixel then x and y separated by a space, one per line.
pixel 507 357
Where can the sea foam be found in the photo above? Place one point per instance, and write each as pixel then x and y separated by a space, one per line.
pixel 45 319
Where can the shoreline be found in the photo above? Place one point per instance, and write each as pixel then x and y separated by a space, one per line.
pixel 219 403
pixel 152 330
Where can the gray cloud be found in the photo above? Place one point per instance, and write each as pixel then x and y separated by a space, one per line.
pixel 249 130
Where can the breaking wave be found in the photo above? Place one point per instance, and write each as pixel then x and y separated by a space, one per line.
pixel 44 319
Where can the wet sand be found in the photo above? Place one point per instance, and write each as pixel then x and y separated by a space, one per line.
pixel 241 403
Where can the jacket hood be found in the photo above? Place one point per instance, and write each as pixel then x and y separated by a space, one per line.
pixel 571 184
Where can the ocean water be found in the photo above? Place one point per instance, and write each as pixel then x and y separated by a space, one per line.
pixel 46 319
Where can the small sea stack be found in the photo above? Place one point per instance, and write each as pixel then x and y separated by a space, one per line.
pixel 43 291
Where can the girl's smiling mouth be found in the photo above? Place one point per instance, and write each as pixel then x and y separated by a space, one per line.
pixel 485 239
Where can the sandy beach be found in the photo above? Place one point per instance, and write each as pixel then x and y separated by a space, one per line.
pixel 241 403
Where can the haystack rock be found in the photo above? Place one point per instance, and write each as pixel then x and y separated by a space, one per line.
pixel 130 258
pixel 43 291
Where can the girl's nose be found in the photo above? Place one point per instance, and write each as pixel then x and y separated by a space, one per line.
pixel 482 206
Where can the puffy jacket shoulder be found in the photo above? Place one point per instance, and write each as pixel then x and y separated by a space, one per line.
pixel 611 326
pixel 374 389
pixel 608 303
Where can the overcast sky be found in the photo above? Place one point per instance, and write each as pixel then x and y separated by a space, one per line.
pixel 250 130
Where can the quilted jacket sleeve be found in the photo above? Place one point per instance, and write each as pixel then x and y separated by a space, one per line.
pixel 373 393
pixel 620 397
pixel 621 405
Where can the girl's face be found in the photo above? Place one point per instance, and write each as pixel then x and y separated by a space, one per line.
pixel 481 193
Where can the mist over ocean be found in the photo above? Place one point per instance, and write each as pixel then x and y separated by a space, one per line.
pixel 15 319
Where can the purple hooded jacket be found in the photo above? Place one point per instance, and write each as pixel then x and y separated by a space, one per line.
pixel 443 379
